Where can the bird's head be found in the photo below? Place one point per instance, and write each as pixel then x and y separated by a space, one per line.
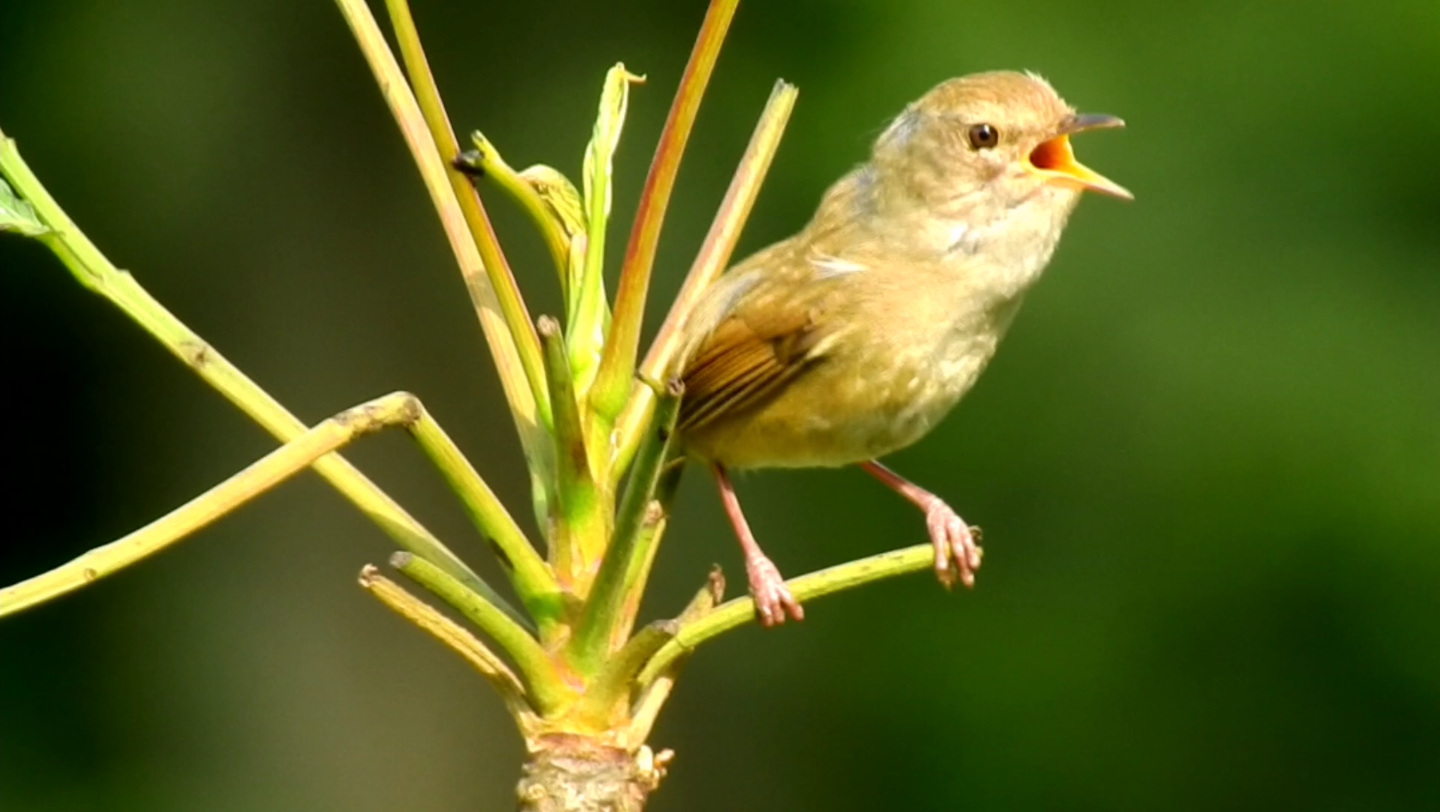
pixel 996 139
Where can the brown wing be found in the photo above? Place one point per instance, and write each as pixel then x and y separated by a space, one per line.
pixel 744 361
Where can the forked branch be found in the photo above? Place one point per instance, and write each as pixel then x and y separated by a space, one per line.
pixel 531 576
pixel 96 273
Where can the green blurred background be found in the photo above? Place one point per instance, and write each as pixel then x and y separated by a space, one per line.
pixel 1207 459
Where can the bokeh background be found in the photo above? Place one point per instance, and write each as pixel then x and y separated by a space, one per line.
pixel 1207 459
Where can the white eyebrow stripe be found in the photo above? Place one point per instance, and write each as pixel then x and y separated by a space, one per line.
pixel 834 266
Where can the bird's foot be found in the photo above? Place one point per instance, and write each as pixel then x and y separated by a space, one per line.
pixel 957 545
pixel 773 600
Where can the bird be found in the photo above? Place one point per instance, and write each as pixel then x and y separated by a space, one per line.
pixel 853 338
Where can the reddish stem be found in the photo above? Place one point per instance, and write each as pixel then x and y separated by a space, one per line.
pixel 617 365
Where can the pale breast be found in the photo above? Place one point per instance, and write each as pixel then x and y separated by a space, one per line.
pixel 902 343
pixel 915 390
pixel 863 401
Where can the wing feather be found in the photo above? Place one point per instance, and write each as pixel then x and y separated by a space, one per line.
pixel 741 364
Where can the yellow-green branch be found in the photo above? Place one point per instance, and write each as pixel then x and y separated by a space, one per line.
pixel 96 273
pixel 453 635
pixel 485 161
pixel 507 327
pixel 547 691
pixel 709 264
pixel 740 611
pixel 617 366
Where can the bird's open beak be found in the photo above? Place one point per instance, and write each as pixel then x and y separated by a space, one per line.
pixel 1055 160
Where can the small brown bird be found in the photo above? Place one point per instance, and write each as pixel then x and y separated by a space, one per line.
pixel 854 337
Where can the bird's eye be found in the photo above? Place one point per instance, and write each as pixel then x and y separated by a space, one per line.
pixel 984 136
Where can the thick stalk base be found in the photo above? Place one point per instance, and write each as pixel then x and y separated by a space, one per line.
pixel 569 773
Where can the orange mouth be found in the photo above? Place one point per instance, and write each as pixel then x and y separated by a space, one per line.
pixel 1055 161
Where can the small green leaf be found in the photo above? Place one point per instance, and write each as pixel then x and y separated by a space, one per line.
pixel 561 199
pixel 559 195
pixel 17 215
pixel 588 310
pixel 545 194
pixel 614 99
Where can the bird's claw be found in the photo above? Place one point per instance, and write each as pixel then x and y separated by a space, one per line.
pixel 957 545
pixel 773 599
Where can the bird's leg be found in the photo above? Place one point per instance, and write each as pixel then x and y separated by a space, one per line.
pixel 956 543
pixel 773 600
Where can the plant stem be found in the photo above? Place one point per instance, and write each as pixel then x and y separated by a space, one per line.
pixel 651 698
pixel 452 634
pixel 572 773
pixel 617 366
pixel 606 701
pixel 487 163
pixel 546 689
pixel 272 469
pixel 97 274
pixel 507 327
pixel 530 575
pixel 626 563
pixel 533 579
pixel 740 611
pixel 578 527
pixel 709 264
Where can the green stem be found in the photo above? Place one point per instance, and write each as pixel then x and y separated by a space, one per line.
pixel 706 598
pixel 455 636
pixel 533 579
pixel 709 264
pixel 97 274
pixel 578 528
pixel 607 616
pixel 617 365
pixel 485 162
pixel 516 359
pixel 740 611
pixel 497 268
pixel 546 688
pixel 606 699
pixel 397 409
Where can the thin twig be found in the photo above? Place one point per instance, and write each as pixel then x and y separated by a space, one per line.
pixel 617 366
pixel 651 698
pixel 96 273
pixel 533 579
pixel 740 611
pixel 453 635
pixel 506 326
pixel 485 162
pixel 625 567
pixel 709 264
pixel 533 582
pixel 546 689
pixel 578 528
pixel 497 268
pixel 272 469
